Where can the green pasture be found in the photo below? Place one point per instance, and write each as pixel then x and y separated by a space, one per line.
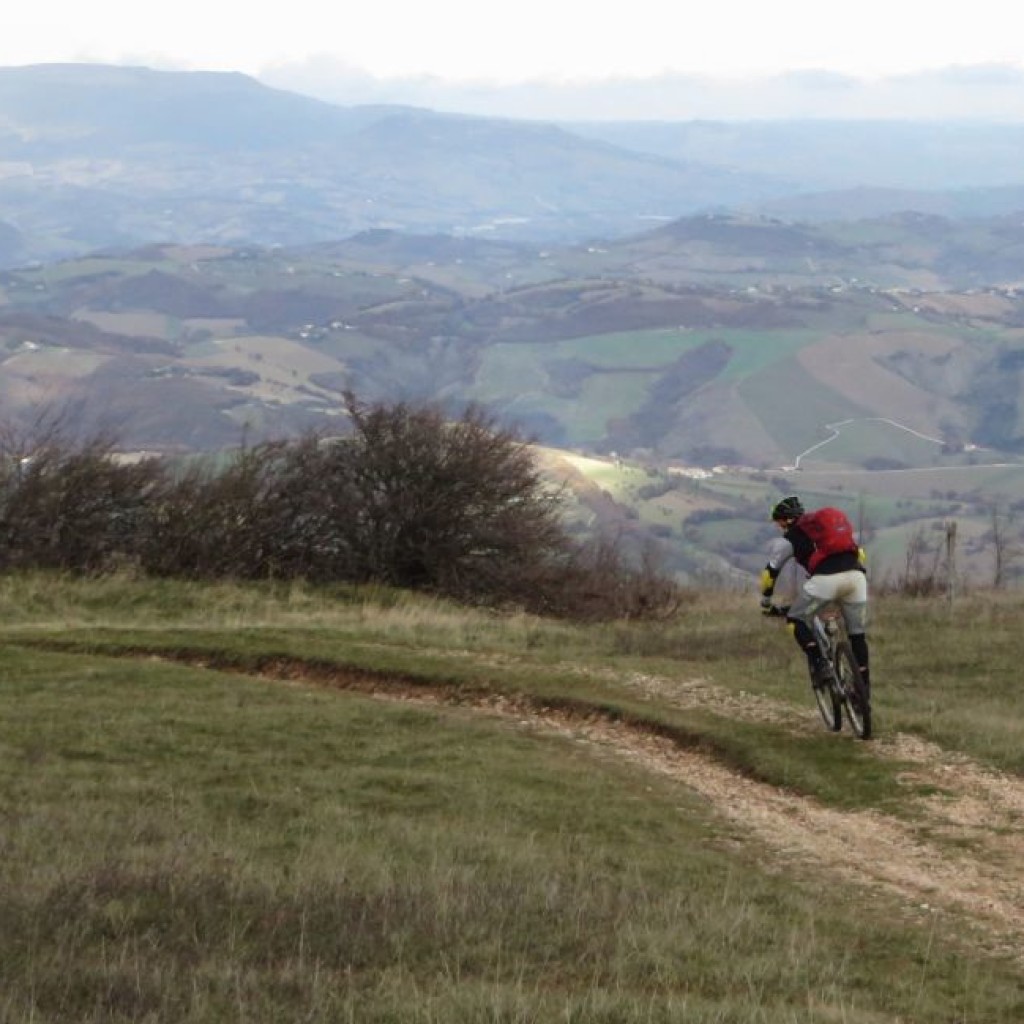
pixel 792 406
pixel 872 438
pixel 519 377
pixel 997 481
pixel 199 825
pixel 654 349
pixel 622 480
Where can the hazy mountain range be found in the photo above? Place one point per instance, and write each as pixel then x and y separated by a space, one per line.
pixel 97 157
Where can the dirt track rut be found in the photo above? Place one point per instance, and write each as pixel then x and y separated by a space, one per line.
pixel 958 850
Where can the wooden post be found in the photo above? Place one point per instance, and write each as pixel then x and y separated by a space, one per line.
pixel 951 561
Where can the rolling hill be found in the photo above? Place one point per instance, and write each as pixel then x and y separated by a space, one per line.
pixel 673 413
pixel 188 346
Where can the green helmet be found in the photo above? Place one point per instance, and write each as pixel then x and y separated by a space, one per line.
pixel 788 508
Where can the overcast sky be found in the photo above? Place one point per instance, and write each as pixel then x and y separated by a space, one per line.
pixel 568 42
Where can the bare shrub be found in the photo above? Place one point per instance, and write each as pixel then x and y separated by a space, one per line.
pixel 927 566
pixel 69 505
pixel 411 498
pixel 207 521
pixel 599 580
pixel 1007 547
pixel 456 506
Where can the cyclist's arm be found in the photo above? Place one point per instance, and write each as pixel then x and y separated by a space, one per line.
pixel 779 553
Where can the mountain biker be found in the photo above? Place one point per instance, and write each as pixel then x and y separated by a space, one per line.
pixel 835 572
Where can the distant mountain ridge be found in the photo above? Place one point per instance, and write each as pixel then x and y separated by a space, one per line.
pixel 837 155
pixel 98 157
pixel 93 157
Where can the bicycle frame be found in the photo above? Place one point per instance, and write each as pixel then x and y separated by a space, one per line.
pixel 829 630
pixel 845 688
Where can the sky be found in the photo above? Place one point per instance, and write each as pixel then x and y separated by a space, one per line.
pixel 563 39
pixel 737 51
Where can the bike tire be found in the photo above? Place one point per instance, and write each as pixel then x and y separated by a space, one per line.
pixel 830 706
pixel 852 691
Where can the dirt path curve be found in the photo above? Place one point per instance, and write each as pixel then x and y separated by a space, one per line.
pixel 974 865
pixel 958 851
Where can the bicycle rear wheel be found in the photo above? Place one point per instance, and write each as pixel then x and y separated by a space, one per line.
pixel 852 691
pixel 830 706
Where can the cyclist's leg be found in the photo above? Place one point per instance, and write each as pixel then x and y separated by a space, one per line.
pixel 855 611
pixel 859 646
pixel 799 619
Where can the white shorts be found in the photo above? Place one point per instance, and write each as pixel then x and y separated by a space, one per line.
pixel 848 589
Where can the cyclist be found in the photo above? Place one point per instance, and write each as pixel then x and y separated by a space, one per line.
pixel 835 572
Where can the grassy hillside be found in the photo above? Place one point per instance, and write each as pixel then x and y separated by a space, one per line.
pixel 258 804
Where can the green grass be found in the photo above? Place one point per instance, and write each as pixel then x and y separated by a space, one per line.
pixel 795 421
pixel 875 438
pixel 186 843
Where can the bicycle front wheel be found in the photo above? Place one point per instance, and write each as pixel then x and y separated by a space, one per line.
pixel 852 691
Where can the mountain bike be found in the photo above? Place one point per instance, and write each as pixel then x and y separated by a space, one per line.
pixel 844 688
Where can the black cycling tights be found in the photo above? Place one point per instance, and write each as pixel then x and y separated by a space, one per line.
pixel 803 635
pixel 859 643
pixel 805 638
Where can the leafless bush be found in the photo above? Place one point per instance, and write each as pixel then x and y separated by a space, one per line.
pixel 70 506
pixel 1007 547
pixel 279 510
pixel 208 521
pixel 411 498
pixel 456 506
pixel 599 581
pixel 926 570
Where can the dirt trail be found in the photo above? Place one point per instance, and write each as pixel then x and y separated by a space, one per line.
pixel 959 850
pixel 962 852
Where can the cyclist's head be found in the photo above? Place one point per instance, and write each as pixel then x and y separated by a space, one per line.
pixel 788 509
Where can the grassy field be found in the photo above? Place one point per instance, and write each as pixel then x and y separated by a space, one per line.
pixel 277 804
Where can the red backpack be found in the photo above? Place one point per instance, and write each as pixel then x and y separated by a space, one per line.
pixel 831 531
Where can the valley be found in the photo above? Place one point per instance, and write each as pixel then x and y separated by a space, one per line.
pixel 670 414
pixel 685 320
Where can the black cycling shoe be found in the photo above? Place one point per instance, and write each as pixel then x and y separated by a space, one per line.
pixel 820 675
